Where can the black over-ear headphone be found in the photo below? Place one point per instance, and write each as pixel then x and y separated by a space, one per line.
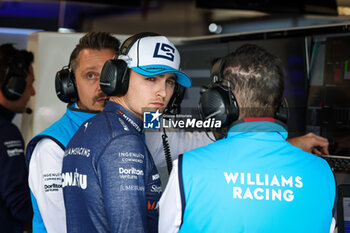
pixel 65 85
pixel 114 79
pixel 218 101
pixel 15 77
pixel 282 113
pixel 115 75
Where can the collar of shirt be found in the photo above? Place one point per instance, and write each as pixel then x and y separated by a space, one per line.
pixel 7 114
pixel 259 127
pixel 77 115
pixel 125 114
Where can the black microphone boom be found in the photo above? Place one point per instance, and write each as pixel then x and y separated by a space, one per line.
pixel 28 111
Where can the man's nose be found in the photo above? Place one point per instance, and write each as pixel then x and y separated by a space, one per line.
pixel 161 89
pixel 99 90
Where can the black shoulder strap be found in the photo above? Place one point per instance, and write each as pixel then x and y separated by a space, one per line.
pixel 181 186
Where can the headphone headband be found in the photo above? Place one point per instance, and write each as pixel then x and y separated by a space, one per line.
pixel 129 42
pixel 216 70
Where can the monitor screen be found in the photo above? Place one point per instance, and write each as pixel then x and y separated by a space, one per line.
pixel 343 208
pixel 346 212
pixel 329 95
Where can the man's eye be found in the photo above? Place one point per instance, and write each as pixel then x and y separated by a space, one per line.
pixel 171 82
pixel 150 78
pixel 91 76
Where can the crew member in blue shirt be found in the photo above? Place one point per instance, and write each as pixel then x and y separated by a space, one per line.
pixel 252 180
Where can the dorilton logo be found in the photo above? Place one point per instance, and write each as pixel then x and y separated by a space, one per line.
pixel 130 171
pixel 14 152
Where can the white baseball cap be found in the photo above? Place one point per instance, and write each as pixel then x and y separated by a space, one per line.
pixel 153 56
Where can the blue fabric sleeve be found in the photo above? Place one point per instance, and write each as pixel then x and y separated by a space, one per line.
pixel 14 188
pixel 130 195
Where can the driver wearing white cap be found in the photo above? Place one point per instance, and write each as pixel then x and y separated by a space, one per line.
pixel 110 181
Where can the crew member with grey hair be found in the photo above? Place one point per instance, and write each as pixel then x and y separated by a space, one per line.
pixel 252 180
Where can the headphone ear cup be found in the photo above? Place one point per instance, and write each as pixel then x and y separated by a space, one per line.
pixel 114 79
pixel 216 103
pixel 14 87
pixel 174 105
pixel 65 86
pixel 282 113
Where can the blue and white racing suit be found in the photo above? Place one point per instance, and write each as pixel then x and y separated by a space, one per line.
pixel 110 182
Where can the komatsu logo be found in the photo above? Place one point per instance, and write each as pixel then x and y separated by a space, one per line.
pixel 74 179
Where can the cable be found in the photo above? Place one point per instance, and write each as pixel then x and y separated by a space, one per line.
pixel 167 152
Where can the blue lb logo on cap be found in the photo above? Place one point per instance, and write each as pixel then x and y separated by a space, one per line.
pixel 164 51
